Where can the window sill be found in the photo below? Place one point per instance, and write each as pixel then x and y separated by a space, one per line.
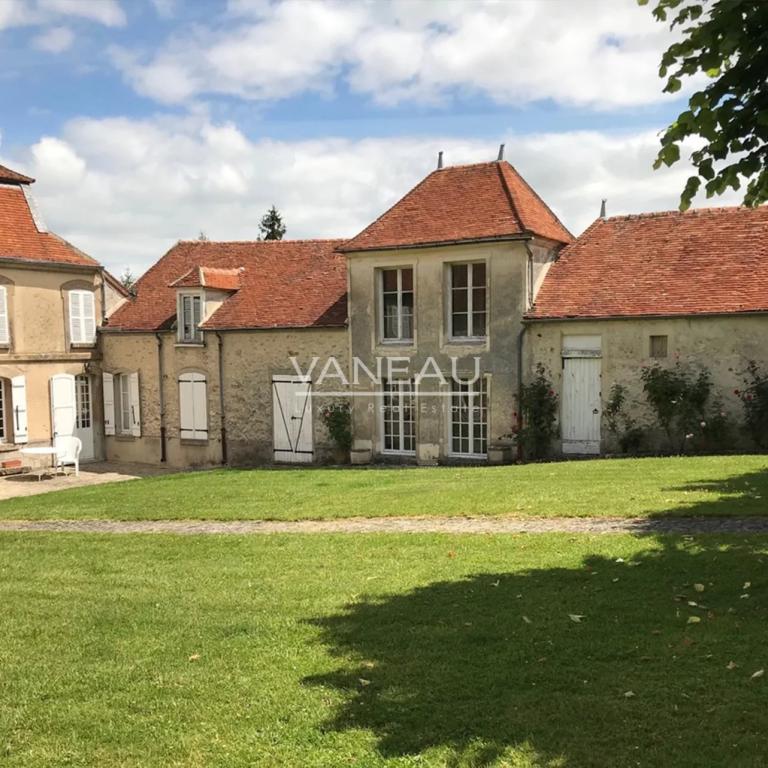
pixel 124 438
pixel 469 341
pixel 193 441
pixel 191 344
pixel 82 345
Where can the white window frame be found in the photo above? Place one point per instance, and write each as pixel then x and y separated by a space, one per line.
pixel 5 332
pixel 400 338
pixel 475 388
pixel 78 299
pixel 189 386
pixel 471 336
pixel 83 402
pixel 403 388
pixel 196 336
pixel 123 404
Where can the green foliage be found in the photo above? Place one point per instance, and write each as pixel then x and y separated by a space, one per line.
pixel 271 226
pixel 338 421
pixel 538 406
pixel 754 398
pixel 128 281
pixel 679 396
pixel 725 41
pixel 628 433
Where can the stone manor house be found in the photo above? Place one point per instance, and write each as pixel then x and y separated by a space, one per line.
pixel 470 273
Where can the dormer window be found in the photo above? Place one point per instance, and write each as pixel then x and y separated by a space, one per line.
pixel 190 315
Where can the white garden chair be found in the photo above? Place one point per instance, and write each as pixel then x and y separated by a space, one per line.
pixel 68 452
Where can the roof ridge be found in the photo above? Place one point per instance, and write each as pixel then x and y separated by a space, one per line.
pixel 265 242
pixel 538 197
pixel 689 212
pixel 510 196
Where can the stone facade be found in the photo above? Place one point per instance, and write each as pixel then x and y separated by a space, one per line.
pixel 249 359
pixel 513 268
pixel 723 344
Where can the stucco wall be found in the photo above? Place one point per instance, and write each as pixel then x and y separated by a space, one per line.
pixel 723 344
pixel 39 343
pixel 508 275
pixel 250 359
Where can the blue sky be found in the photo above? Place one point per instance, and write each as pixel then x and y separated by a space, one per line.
pixel 147 121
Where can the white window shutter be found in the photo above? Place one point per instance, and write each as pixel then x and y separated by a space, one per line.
pixel 193 407
pixel 4 333
pixel 89 317
pixel 75 318
pixel 19 405
pixel 201 408
pixel 108 393
pixel 133 389
pixel 186 408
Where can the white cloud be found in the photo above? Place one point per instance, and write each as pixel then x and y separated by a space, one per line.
pixel 107 12
pixel 54 40
pixel 604 55
pixel 125 190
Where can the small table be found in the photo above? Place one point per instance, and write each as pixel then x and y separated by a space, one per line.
pixel 41 450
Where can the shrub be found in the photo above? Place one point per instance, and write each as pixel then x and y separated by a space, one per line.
pixel 679 398
pixel 538 407
pixel 754 398
pixel 628 433
pixel 337 418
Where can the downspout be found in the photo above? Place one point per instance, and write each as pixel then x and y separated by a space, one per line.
pixel 161 399
pixel 103 291
pixel 520 347
pixel 220 339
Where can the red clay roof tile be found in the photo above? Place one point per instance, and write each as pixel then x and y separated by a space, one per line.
pixel 283 284
pixel 464 203
pixel 21 239
pixel 210 277
pixel 703 261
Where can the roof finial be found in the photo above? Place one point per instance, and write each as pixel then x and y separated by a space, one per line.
pixel 439 159
pixel 602 208
pixel 501 154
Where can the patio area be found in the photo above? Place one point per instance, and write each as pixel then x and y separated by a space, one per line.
pixel 94 473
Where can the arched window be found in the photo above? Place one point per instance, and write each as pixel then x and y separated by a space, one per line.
pixel 193 406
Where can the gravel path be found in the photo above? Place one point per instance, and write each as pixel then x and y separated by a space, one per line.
pixel 674 525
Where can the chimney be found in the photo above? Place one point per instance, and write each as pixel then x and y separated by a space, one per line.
pixel 439 159
pixel 602 208
pixel 501 154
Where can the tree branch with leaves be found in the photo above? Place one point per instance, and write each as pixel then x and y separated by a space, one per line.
pixel 727 41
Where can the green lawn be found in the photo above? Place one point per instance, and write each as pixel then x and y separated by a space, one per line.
pixel 432 651
pixel 716 485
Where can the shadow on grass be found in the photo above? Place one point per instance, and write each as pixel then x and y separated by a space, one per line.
pixel 744 494
pixel 590 666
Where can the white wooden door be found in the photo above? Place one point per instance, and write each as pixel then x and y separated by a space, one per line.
pixel 63 405
pixel 84 416
pixel 581 403
pixel 292 419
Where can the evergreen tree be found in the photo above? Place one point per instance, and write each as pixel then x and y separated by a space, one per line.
pixel 271 226
pixel 128 281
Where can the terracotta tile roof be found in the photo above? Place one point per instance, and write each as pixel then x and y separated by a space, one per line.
pixel 704 261
pixel 463 203
pixel 210 277
pixel 283 284
pixel 8 176
pixel 21 239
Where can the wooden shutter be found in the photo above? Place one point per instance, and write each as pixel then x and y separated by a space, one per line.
pixel 133 390
pixel 88 317
pixel 75 318
pixel 19 405
pixel 4 333
pixel 108 394
pixel 193 406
